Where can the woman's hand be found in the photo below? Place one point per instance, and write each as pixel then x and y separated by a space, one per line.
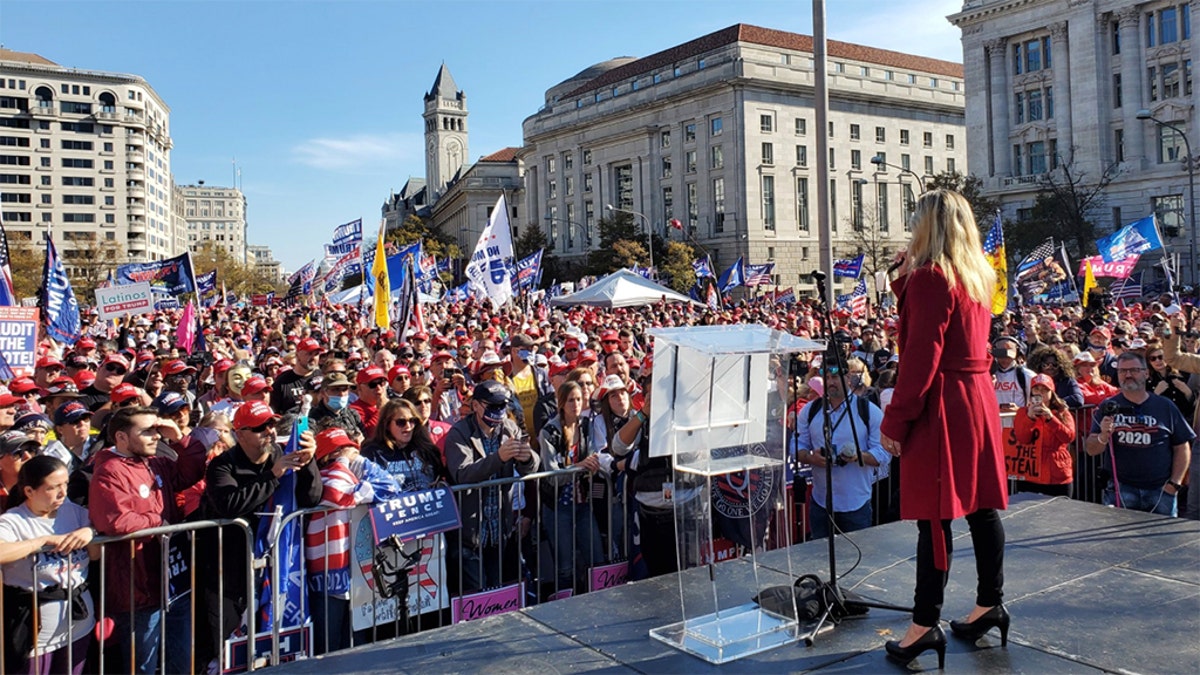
pixel 900 261
pixel 591 463
pixel 890 444
pixel 73 541
pixel 1162 387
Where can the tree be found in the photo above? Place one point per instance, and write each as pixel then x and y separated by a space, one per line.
pixel 238 277
pixel 90 262
pixel 971 187
pixel 676 265
pixel 620 245
pixel 1066 207
pixel 26 261
pixel 874 244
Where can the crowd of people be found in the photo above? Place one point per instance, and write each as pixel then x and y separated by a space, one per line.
pixel 124 431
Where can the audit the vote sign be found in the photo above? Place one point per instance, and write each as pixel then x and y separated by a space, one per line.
pixel 117 301
pixel 18 338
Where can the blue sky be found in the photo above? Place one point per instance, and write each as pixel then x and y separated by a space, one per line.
pixel 320 102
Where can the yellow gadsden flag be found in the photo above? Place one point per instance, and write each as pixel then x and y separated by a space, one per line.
pixel 993 248
pixel 1089 281
pixel 383 285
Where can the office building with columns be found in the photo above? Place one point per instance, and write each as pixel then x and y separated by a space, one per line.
pixel 87 155
pixel 719 133
pixel 1105 85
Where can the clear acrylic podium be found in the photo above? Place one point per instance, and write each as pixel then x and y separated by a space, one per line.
pixel 716 412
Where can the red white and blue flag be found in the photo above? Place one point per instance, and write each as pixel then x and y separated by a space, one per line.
pixel 856 301
pixel 8 298
pixel 850 269
pixel 759 275
pixel 787 297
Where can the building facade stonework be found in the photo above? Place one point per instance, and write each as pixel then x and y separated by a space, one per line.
pixel 719 133
pixel 218 215
pixel 87 155
pixel 1052 82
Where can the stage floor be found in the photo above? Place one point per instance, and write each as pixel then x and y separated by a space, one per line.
pixel 1090 589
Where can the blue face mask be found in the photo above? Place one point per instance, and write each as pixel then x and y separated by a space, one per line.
pixel 337 403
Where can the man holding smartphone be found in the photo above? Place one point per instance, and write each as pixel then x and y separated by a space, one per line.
pixel 484 445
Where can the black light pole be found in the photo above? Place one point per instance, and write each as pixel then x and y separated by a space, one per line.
pixel 1189 163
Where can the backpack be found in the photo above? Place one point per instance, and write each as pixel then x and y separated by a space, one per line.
pixel 864 409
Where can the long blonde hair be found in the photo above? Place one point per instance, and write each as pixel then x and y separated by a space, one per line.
pixel 944 233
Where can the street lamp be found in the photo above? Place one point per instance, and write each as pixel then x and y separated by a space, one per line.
pixel 877 160
pixel 649 232
pixel 586 238
pixel 1189 164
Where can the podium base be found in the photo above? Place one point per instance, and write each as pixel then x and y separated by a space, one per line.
pixel 729 634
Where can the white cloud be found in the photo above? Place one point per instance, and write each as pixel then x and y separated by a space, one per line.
pixel 912 26
pixel 360 152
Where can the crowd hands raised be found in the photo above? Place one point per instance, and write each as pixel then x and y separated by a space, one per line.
pixel 123 431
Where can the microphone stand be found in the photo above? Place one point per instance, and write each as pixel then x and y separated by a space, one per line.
pixel 838 604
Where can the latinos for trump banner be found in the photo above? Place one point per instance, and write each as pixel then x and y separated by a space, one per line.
pixel 172 276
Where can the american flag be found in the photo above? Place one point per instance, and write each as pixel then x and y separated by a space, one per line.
pixel 1129 288
pixel 759 275
pixel 701 267
pixel 7 297
pixel 856 300
pixel 787 297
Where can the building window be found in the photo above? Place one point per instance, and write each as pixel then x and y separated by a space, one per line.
pixel 768 202
pixel 881 206
pixel 568 161
pixel 668 200
pixel 1035 105
pixel 716 158
pixel 832 164
pixel 856 204
pixel 587 157
pixel 833 204
pixel 689 161
pixel 927 139
pixel 910 205
pixel 768 154
pixel 1152 81
pixel 664 139
pixel 928 165
pixel 949 141
pixel 1170 144
pixel 801 126
pixel 801 155
pixel 855 132
pixel 1019 105
pixel 831 129
pixel 715 126
pixel 1170 80
pixel 802 203
pixel 569 185
pixel 950 165
pixel 666 167
pixel 856 160
pixel 587 182
pixel 766 123
pixel 693 204
pixel 550 165
pixel 880 135
pixel 1168 210
pixel 1016 165
pixel 624 185
pixel 904 137
pixel 689 133
pixel 1119 144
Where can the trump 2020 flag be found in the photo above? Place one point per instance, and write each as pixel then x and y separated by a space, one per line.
pixel 993 248
pixel 291 593
pixel 57 299
pixel 489 272
pixel 1133 239
pixel 851 269
pixel 529 269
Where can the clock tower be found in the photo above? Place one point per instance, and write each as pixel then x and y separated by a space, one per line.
pixel 445 133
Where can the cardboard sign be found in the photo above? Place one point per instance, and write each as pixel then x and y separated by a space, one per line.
pixel 260 300
pixel 1022 460
pixel 117 301
pixel 416 514
pixel 426 581
pixel 488 603
pixel 294 643
pixel 18 339
pixel 607 576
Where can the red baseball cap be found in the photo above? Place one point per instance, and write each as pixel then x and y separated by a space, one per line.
pixel 49 362
pixel 176 367
pixel 22 386
pixel 440 342
pixel 85 343
pixel 571 343
pixel 587 356
pixel 309 345
pixel 252 414
pixel 117 359
pixel 421 335
pixel 438 356
pixel 255 385
pixel 370 374
pixel 331 440
pixel 222 366
pixel 398 369
pixel 556 368
pixel 123 392
pixel 1042 380
pixel 9 400
pixel 84 379
pixel 609 334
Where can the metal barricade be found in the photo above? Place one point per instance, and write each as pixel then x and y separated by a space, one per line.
pixel 96 579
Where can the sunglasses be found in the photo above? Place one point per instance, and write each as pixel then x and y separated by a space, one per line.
pixel 115 370
pixel 261 428
pixel 425 401
pixel 375 384
pixel 404 422
pixel 1160 357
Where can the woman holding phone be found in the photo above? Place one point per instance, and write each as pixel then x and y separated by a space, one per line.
pixel 1048 425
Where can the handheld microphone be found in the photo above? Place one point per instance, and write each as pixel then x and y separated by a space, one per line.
pixel 896 265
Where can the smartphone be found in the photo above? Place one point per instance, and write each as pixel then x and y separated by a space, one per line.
pixel 1036 399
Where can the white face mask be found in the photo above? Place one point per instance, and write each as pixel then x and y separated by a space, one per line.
pixel 337 403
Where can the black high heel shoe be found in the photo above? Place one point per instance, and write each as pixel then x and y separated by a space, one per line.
pixel 995 617
pixel 934 639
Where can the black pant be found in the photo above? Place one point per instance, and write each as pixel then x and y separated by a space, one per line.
pixel 987 537
pixel 656 527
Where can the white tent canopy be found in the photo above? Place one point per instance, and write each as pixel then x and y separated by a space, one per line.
pixel 622 288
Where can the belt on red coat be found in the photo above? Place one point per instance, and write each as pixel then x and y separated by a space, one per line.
pixel 968 364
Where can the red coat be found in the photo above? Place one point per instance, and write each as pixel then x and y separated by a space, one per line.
pixel 1052 437
pixel 943 411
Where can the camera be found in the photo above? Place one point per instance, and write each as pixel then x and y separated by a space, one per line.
pixel 1110 408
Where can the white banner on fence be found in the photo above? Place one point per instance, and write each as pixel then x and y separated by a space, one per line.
pixel 427 588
